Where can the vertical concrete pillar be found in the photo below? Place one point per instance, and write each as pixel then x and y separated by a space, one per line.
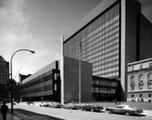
pixel 62 71
pixel 123 49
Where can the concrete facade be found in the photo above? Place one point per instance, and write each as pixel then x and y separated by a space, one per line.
pixel 71 80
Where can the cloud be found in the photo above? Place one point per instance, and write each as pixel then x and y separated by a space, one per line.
pixel 13 23
pixel 12 18
pixel 14 35
pixel 14 32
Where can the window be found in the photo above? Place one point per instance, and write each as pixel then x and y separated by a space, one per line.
pixel 132 95
pixel 93 89
pixel 132 83
pixel 133 68
pixel 140 82
pixel 55 87
pixel 149 81
pixel 149 95
pixel 141 66
pixel 140 95
pixel 97 82
pixel 55 76
pixel 97 90
pixel 120 107
pixel 150 65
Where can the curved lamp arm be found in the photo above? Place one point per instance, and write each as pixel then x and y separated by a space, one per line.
pixel 13 56
pixel 11 90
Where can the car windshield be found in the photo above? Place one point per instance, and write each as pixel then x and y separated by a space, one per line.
pixel 120 107
pixel 132 107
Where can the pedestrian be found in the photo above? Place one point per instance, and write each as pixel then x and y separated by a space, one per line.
pixel 4 110
pixel 115 101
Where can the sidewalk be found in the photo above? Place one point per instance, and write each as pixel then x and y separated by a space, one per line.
pixel 147 112
pixel 9 117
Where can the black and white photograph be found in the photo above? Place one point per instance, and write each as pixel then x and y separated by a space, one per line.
pixel 75 59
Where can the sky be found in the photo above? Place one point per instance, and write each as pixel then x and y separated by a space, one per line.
pixel 39 25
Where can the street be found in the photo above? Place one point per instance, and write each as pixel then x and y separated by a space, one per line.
pixel 78 114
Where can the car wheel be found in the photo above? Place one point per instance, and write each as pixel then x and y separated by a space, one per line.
pixel 127 113
pixel 92 110
pixel 109 111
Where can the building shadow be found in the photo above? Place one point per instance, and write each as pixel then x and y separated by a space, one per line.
pixel 26 115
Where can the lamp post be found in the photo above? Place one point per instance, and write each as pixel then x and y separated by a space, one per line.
pixel 11 89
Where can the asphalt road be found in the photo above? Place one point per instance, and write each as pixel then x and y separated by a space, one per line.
pixel 78 114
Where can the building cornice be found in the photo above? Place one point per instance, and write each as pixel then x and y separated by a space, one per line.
pixel 141 61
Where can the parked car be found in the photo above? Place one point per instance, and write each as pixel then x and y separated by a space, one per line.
pixel 30 103
pixel 72 106
pixel 37 103
pixel 67 106
pixel 56 105
pixel 124 109
pixel 77 106
pixel 93 108
pixel 98 108
pixel 45 104
pixel 41 104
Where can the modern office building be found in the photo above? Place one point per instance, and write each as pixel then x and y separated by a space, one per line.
pixel 140 80
pixel 96 53
pixel 104 89
pixel 4 76
pixel 45 85
pixel 42 85
pixel 110 36
pixel 77 84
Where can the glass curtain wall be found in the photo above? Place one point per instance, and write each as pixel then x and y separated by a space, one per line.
pixel 98 43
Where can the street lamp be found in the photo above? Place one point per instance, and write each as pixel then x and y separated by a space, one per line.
pixel 12 111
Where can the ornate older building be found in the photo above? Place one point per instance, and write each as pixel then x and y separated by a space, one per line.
pixel 140 80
